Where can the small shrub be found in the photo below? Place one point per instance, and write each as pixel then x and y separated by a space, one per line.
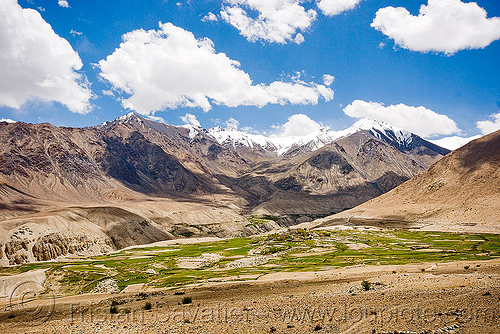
pixel 273 249
pixel 147 306
pixel 11 316
pixel 318 328
pixel 143 295
pixel 113 309
pixel 466 267
pixel 422 269
pixel 366 285
pixel 187 300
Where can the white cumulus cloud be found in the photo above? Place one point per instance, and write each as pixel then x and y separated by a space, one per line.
pixel 75 33
pixel 37 63
pixel 169 68
pixel 63 3
pixel 335 7
pixel 444 26
pixel 328 79
pixel 209 17
pixel 190 119
pixel 232 123
pixel 8 120
pixel 487 127
pixel 419 120
pixel 297 125
pixel 108 93
pixel 277 21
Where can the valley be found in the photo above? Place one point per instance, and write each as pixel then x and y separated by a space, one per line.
pixel 174 264
pixel 361 280
pixel 135 181
pixel 135 217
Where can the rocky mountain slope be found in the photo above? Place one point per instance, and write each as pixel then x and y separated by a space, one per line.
pixel 294 145
pixel 338 176
pixel 460 192
pixel 68 191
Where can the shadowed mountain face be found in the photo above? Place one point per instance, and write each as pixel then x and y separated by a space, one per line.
pixel 157 181
pixel 338 176
pixel 147 168
pixel 459 192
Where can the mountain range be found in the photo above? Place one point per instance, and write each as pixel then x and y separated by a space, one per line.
pixel 460 193
pixel 69 191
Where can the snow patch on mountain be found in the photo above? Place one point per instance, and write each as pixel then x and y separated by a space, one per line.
pixel 129 118
pixel 381 129
pixel 233 137
pixel 193 130
pixel 281 145
pixel 314 140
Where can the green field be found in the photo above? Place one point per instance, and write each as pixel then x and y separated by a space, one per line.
pixel 294 250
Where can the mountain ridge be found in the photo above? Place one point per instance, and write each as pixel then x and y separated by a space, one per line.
pixel 457 193
pixel 133 180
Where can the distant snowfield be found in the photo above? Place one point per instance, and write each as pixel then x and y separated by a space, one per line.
pixel 454 142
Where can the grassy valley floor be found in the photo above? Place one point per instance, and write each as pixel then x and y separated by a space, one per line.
pixel 295 281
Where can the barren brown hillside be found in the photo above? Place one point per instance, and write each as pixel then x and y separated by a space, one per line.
pixel 67 191
pixel 460 192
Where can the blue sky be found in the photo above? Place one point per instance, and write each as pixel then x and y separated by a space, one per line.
pixel 258 62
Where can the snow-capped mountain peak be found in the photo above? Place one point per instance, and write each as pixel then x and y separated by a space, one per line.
pixel 312 141
pixel 194 130
pixel 232 137
pixel 381 129
pixel 129 118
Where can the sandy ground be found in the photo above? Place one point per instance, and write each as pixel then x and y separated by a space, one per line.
pixel 457 297
pixel 15 285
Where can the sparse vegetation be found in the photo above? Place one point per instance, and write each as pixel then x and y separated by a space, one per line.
pixel 366 285
pixel 273 249
pixel 113 309
pixel 147 306
pixel 187 300
pixel 316 250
